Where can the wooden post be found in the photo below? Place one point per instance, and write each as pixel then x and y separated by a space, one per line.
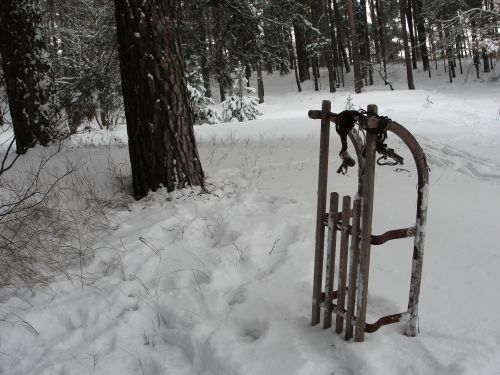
pixel 344 244
pixel 353 270
pixel 331 244
pixel 321 206
pixel 366 225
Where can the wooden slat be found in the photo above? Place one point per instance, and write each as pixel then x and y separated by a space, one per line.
pixel 331 244
pixel 321 205
pixel 366 227
pixel 343 258
pixel 353 269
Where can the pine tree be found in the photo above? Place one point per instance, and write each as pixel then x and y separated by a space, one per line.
pixel 28 74
pixel 159 118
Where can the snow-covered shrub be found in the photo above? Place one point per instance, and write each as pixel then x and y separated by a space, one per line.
pixel 239 107
pixel 244 108
pixel 203 107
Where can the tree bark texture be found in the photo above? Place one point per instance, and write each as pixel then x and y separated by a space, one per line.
pixel 160 121
pixel 28 74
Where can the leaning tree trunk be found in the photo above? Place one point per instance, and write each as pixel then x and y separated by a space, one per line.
pixel 28 73
pixel 409 72
pixel 160 121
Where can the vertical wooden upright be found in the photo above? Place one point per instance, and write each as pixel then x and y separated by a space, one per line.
pixel 366 225
pixel 343 258
pixel 353 270
pixel 331 245
pixel 321 207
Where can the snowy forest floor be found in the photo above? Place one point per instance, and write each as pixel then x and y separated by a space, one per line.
pixel 221 283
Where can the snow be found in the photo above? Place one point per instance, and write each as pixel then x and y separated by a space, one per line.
pixel 221 283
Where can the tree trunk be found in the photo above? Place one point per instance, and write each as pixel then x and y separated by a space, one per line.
pixel 220 63
pixel 366 63
pixel 205 69
pixel 409 72
pixel 409 17
pixel 325 27
pixel 375 37
pixel 160 121
pixel 333 40
pixel 381 35
pixel 422 35
pixel 300 46
pixel 340 37
pixel 28 74
pixel 486 61
pixel 260 83
pixel 315 14
pixel 294 63
pixel 358 83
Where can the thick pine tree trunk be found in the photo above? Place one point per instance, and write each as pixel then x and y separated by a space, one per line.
pixel 409 72
pixel 28 73
pixel 160 121
pixel 358 83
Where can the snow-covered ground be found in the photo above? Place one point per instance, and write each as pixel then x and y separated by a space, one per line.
pixel 221 283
